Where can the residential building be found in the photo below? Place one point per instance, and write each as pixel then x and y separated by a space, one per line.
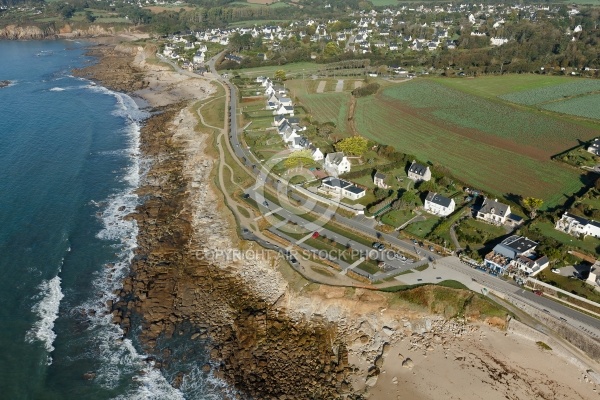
pixel 578 226
pixel 341 188
pixel 337 163
pixel 419 172
pixel 439 205
pixel 493 211
pixel 316 153
pixel 594 147
pixel 517 252
pixel 379 180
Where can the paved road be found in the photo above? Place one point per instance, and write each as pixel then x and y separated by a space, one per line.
pixel 575 318
pixel 582 321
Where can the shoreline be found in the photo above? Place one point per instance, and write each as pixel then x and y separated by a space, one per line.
pixel 165 272
pixel 265 339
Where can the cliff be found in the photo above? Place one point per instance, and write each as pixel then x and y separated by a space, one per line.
pixel 50 31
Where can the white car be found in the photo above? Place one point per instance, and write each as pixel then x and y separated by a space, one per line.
pixel 555 270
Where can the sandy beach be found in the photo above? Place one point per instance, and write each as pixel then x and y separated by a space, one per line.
pixel 267 339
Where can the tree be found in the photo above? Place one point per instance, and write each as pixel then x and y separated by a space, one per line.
pixel 354 145
pixel 280 75
pixel 331 50
pixel 298 159
pixel 89 17
pixel 532 205
pixel 381 194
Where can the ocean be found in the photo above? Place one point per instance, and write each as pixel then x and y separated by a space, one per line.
pixel 69 164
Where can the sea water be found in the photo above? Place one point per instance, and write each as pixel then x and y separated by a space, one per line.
pixel 69 166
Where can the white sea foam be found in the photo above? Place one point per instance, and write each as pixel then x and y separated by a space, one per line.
pixel 118 357
pixel 57 89
pixel 47 310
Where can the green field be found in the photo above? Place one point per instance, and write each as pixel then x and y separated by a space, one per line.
pixel 328 107
pixel 383 3
pixel 293 68
pixel 492 145
pixel 552 93
pixel 583 106
pixel 496 85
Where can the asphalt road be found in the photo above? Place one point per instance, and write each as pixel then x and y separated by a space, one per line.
pixel 584 322
pixel 573 317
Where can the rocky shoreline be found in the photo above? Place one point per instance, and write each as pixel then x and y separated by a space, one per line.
pixel 253 343
pixel 4 84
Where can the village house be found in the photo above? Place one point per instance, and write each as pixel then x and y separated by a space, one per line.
pixel 337 163
pixel 379 180
pixel 316 153
pixel 418 172
pixel 284 110
pixel 493 211
pixel 515 252
pixel 578 226
pixel 594 147
pixel 341 188
pixel 438 204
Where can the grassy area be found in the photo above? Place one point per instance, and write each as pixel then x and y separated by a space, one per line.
pixel 580 157
pixel 243 211
pixel 422 268
pixel 476 233
pixel 492 86
pixel 369 266
pixel 589 244
pixel 574 286
pixel 543 346
pixel 396 218
pixel 293 68
pixel 441 124
pixel 422 228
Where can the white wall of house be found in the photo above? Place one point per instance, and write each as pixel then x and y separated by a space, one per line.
pixel 439 209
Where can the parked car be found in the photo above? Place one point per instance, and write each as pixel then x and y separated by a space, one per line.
pixel 315 235
pixel 538 292
pixel 555 270
pixel 377 246
pixel 266 203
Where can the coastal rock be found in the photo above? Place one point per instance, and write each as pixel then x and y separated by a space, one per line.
pixel 88 376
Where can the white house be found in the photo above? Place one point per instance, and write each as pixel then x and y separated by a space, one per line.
pixel 594 147
pixel 576 226
pixel 198 58
pixel 284 110
pixel 285 101
pixel 531 265
pixel 337 163
pixel 498 41
pixel 341 188
pixel 438 204
pixel 379 180
pixel 418 172
pixel 493 211
pixel 316 153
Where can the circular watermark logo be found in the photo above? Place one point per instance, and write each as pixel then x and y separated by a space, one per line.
pixel 291 195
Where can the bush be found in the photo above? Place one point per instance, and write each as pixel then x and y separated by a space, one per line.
pixel 366 90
